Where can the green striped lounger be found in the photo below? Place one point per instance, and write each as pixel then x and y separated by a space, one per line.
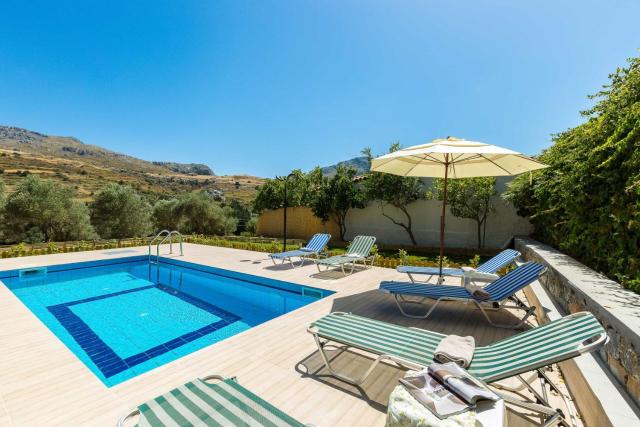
pixel 414 348
pixel 359 251
pixel 201 403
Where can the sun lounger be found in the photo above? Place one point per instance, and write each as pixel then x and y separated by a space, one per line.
pixel 486 272
pixel 413 348
pixel 312 249
pixel 359 251
pixel 500 291
pixel 200 402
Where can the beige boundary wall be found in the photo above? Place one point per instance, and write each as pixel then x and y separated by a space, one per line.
pixel 301 224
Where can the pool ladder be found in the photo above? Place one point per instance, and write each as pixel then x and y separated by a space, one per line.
pixel 168 235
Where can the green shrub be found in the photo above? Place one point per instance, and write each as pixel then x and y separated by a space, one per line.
pixel 587 203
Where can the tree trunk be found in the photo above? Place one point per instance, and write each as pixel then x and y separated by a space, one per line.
pixel 407 227
pixel 341 219
pixel 484 228
pixel 479 230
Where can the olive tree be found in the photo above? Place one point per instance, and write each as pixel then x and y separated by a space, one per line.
pixel 44 210
pixel 199 213
pixel 118 212
pixel 397 191
pixel 470 198
pixel 165 215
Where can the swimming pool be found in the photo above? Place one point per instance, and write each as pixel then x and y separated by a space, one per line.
pixel 127 316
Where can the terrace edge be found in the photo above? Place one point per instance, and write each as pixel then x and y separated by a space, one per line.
pixel 568 287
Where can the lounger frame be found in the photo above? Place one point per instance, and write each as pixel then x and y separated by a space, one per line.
pixel 365 257
pixel 303 257
pixel 367 262
pixel 549 416
pixel 303 254
pixel 484 306
pixel 465 276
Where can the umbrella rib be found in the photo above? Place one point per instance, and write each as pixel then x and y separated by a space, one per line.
pixel 385 161
pixel 530 159
pixel 456 158
pixel 486 158
pixel 428 158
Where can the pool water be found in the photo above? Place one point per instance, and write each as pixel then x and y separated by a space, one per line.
pixel 123 318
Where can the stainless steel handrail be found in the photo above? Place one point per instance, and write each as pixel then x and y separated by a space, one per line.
pixel 170 237
pixel 157 236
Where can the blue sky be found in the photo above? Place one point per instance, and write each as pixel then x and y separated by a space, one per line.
pixel 262 87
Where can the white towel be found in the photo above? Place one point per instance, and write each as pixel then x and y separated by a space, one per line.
pixel 457 349
pixel 477 291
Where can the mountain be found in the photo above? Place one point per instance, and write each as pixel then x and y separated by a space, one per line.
pixel 187 168
pixel 361 164
pixel 89 167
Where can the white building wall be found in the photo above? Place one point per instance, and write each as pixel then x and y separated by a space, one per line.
pixel 460 233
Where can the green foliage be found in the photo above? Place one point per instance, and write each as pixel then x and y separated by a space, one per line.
pixel 118 211
pixel 242 212
pixel 333 197
pixel 470 198
pixel 252 226
pixel 2 195
pixel 43 210
pixel 475 261
pixel 404 256
pixel 194 213
pixel 271 194
pixel 587 203
pixel 397 191
pixel 200 214
pixel 164 215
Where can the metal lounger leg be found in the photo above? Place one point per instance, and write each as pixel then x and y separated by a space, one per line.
pixel 549 415
pixel 400 298
pixel 354 381
pixel 123 420
pixel 529 312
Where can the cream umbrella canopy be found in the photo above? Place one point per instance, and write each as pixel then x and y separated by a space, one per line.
pixel 454 158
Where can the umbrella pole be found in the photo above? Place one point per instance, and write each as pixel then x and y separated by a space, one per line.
pixel 444 205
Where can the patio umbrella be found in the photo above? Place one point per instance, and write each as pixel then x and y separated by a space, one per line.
pixel 454 158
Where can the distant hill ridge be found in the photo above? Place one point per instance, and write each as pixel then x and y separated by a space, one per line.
pixel 361 164
pixel 88 168
pixel 34 142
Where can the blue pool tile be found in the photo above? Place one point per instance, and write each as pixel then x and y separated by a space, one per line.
pixel 73 301
pixel 107 361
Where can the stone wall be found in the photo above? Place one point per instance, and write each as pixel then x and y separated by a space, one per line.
pixel 575 287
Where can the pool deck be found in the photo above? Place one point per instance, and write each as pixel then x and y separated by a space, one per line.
pixel 42 383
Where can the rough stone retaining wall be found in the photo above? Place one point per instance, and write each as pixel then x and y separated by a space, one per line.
pixel 575 287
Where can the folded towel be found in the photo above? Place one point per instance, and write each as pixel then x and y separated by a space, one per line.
pixel 478 292
pixel 457 349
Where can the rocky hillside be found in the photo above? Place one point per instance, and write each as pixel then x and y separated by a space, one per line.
pixel 361 164
pixel 187 168
pixel 89 167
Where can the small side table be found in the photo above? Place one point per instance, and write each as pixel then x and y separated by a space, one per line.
pixel 405 411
